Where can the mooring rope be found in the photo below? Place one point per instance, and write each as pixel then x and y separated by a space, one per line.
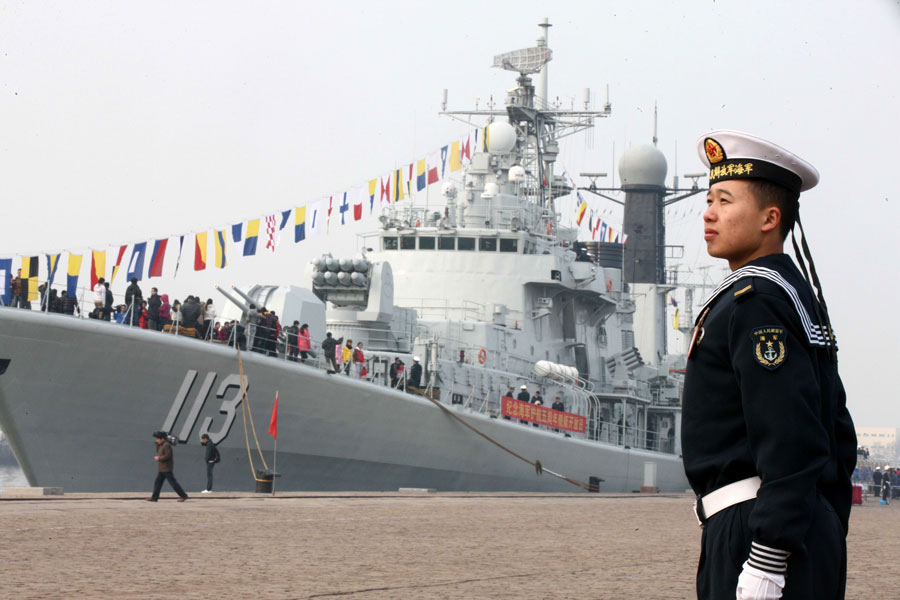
pixel 245 409
pixel 538 467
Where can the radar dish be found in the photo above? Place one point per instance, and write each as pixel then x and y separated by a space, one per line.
pixel 525 61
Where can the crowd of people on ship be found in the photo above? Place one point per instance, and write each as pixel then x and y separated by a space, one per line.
pixel 259 332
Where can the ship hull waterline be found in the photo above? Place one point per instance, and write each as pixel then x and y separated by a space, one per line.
pixel 79 400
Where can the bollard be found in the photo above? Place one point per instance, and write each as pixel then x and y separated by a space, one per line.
pixel 264 482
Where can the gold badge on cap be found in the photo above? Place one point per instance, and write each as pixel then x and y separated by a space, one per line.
pixel 769 348
pixel 714 151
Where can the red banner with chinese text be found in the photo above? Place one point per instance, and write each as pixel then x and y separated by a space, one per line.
pixel 543 416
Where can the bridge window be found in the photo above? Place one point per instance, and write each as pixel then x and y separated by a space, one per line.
pixel 426 243
pixel 389 243
pixel 465 243
pixel 446 243
pixel 508 245
pixel 487 244
pixel 408 242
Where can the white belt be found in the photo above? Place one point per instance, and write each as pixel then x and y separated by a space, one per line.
pixel 722 498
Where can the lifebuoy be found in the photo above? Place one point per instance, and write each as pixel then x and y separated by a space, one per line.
pixel 609 285
pixel 482 355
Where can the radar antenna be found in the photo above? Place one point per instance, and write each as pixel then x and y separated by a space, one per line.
pixel 526 61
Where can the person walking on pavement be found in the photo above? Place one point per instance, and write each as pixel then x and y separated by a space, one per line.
pixel 211 457
pixel 165 459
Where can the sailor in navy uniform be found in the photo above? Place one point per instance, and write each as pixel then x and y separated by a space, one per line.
pixel 768 444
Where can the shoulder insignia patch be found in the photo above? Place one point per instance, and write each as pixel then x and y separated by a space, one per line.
pixel 769 349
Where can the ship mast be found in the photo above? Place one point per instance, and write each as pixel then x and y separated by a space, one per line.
pixel 539 124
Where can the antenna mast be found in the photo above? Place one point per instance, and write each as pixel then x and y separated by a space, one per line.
pixel 543 41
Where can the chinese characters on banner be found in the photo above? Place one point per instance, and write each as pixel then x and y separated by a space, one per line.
pixel 543 416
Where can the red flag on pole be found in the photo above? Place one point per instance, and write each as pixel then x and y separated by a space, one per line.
pixel 273 424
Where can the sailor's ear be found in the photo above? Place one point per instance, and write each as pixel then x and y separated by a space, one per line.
pixel 771 218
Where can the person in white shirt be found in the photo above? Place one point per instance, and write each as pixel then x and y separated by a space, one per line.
pixel 100 293
pixel 209 316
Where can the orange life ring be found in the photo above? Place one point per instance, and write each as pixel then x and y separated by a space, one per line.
pixel 609 285
pixel 482 355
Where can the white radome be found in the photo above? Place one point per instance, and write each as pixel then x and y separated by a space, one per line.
pixel 448 189
pixel 501 137
pixel 643 165
pixel 517 174
pixel 491 190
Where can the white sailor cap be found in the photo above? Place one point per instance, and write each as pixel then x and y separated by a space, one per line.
pixel 737 155
pixel 524 387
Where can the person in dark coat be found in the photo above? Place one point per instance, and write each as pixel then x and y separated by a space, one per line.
pixel 67 304
pixel 768 444
pixel 523 395
pixel 165 459
pixel 328 349
pixel 153 305
pixel 210 457
pixel 190 313
pixel 415 373
pixel 53 304
pixel 274 331
pixel 133 299
pixel 396 372
pixel 292 332
pixel 108 303
pixel 558 406
pixel 15 284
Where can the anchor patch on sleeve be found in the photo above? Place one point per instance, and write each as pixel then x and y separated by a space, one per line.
pixel 769 347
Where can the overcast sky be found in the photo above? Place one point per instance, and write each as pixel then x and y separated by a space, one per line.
pixel 123 122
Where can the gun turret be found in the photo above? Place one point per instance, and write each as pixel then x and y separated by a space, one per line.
pixel 245 297
pixel 243 306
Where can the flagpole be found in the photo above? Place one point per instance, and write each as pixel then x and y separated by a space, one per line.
pixel 275 459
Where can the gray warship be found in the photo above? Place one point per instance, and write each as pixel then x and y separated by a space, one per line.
pixel 486 288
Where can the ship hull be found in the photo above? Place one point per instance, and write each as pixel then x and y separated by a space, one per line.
pixel 79 400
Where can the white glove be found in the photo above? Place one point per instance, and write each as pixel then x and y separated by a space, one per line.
pixel 754 584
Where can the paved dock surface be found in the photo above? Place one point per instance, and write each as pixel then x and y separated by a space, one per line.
pixel 375 546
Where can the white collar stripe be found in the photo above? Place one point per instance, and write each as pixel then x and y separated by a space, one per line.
pixel 813 331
